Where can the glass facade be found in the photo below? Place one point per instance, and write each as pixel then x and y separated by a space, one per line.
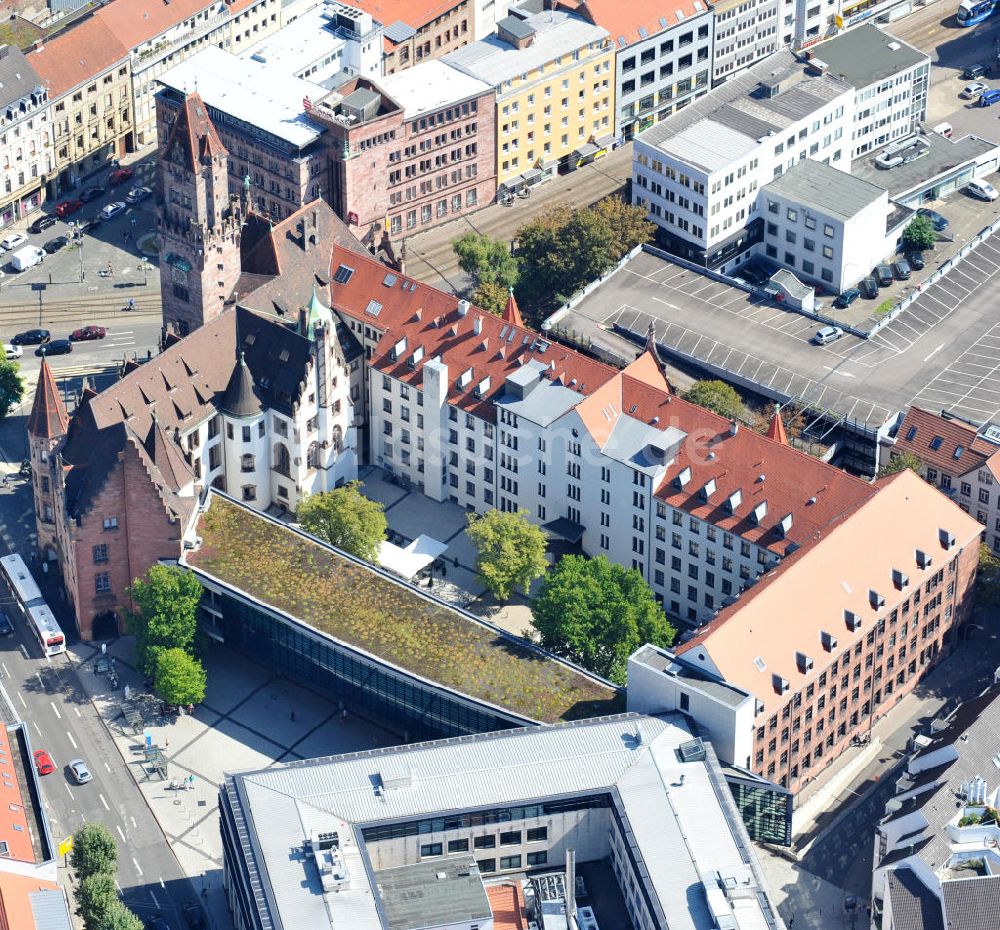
pixel 362 685
pixel 765 808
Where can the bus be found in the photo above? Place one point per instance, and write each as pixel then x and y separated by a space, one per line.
pixel 32 605
pixel 973 12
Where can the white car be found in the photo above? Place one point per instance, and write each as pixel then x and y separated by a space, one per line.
pixel 138 194
pixel 80 771
pixel 973 90
pixel 12 352
pixel 11 242
pixel 827 334
pixel 112 209
pixel 982 189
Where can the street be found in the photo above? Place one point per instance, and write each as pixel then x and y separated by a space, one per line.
pixel 429 256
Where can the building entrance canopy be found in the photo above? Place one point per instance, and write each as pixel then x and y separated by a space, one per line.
pixel 407 562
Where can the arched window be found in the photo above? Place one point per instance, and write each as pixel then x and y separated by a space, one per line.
pixel 312 455
pixel 338 438
pixel 282 460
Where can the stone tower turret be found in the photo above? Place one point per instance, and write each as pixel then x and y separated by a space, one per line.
pixel 198 222
pixel 47 426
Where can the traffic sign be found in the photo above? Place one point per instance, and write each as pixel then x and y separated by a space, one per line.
pixel 66 845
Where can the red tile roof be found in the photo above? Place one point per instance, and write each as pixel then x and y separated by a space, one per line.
pixel 14 828
pixel 193 138
pixel 433 321
pixel 415 13
pixel 135 22
pixel 935 440
pixel 77 56
pixel 507 905
pixel 511 312
pixel 626 19
pixel 48 418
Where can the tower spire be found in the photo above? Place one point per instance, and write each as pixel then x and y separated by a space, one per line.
pixel 48 418
pixel 776 428
pixel 511 313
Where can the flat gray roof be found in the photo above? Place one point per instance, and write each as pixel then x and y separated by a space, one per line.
pixel 730 120
pixel 433 893
pixel 944 155
pixel 825 189
pixel 867 55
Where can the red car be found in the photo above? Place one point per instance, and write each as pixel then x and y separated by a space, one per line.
pixel 44 763
pixel 120 175
pixel 67 207
pixel 88 332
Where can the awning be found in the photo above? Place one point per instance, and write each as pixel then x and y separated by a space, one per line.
pixel 409 561
pixel 586 150
pixel 604 142
pixel 549 163
pixel 564 528
pixel 532 175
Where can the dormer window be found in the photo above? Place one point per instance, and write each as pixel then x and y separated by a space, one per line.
pixel 923 559
pixel 946 539
pixel 852 620
pixel 875 599
pixel 803 662
pixel 780 684
pixel 899 579
pixel 734 500
pixel 784 525
pixel 708 489
pixel 399 348
pixel 827 640
pixel 684 478
pixel 758 513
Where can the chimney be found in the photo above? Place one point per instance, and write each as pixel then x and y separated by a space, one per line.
pixel 477 325
pixel 315 219
pixel 734 427
pixel 570 886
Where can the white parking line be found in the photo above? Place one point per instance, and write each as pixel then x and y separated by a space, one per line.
pixel 21 699
pixel 108 767
pixel 138 869
pixel 107 806
pixel 77 709
pixel 120 833
pixel 153 896
pixel 73 741
pixel 70 793
pixel 35 725
pixel 55 710
pixel 5 670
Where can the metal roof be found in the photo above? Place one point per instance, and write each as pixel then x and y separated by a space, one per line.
pixel 866 55
pixel 680 815
pixel 434 893
pixel 825 189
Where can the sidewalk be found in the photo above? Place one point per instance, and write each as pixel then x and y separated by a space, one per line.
pixel 249 719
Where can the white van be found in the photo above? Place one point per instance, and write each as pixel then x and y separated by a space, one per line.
pixel 982 189
pixel 943 129
pixel 26 258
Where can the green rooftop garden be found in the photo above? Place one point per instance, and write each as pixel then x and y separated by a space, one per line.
pixel 359 607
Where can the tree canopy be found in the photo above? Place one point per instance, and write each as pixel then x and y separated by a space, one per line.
pixel 510 551
pixel 900 461
pixel 167 617
pixel 596 613
pixel 11 386
pixel 179 678
pixel 118 917
pixel 717 396
pixel 94 850
pixel 94 895
pixel 486 261
pixel 345 518
pixel 988 578
pixel 919 234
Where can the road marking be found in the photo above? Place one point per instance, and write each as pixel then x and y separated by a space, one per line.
pixel 164 887
pixel 73 741
pixel 138 869
pixel 119 887
pixel 107 807
pixel 41 684
pixel 153 896
pixel 108 767
pixel 122 835
pixel 134 825
pixel 6 671
pixel 24 651
pixel 77 709
pixel 55 710
pixel 21 699
pixel 35 725
pixel 836 371
pixel 934 352
pixel 70 793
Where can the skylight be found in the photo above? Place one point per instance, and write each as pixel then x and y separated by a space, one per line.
pixel 936 442
pixel 343 274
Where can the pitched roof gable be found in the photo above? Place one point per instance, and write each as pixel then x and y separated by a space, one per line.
pixel 48 418
pixel 77 56
pixel 193 138
pixel 947 445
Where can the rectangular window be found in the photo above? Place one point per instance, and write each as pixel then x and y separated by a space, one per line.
pixel 511 838
pixel 485 842
pixel 538 858
pixel 102 583
pixel 111 523
pixel 458 846
pixel 100 553
pixel 538 834
pixel 430 849
pixel 510 862
pixel 487 865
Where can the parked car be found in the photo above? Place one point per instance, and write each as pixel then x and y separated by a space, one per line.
pixel 974 71
pixel 939 222
pixel 901 270
pixel 753 274
pixel 91 193
pixel 982 190
pixel 112 210
pixel 31 337
pixel 12 351
pixel 55 347
pixel 916 260
pixel 869 287
pixel 138 194
pixel 43 762
pixel 119 176
pixel 194 916
pixel 846 298
pixel 54 245
pixel 988 97
pixel 41 224
pixel 27 257
pixel 86 333
pixel 67 207
pixel 883 274
pixel 13 241
pixel 973 90
pixel 6 627
pixel 80 771
pixel 827 334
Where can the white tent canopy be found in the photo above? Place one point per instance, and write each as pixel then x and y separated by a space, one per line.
pixel 407 562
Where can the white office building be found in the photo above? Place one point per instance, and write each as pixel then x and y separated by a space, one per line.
pixel 415 837
pixel 746 31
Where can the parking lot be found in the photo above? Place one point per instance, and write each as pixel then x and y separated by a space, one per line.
pixel 747 338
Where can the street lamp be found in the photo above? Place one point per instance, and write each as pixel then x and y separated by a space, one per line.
pixel 78 239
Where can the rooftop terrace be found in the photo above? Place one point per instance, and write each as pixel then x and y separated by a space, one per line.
pixel 367 609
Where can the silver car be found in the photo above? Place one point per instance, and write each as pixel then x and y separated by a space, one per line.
pixel 827 334
pixel 80 771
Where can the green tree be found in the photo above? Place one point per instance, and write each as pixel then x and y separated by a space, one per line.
pixel 119 917
pixel 717 396
pixel 94 850
pixel 510 551
pixel 167 598
pixel 345 518
pixel 486 261
pixel 627 222
pixel 11 386
pixel 94 896
pixel 919 234
pixel 900 461
pixel 596 613
pixel 179 678
pixel 491 297
pixel 988 578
